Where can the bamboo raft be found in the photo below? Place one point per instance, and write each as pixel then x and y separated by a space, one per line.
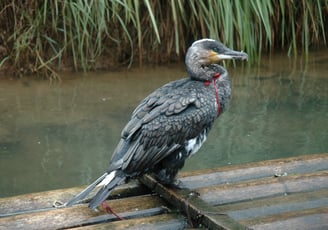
pixel 289 193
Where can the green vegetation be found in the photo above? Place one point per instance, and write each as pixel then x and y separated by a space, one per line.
pixel 45 36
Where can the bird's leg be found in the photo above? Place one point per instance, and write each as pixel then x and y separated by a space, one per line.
pixel 169 167
pixel 169 178
pixel 177 184
pixel 109 210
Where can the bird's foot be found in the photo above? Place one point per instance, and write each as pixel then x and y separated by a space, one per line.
pixel 177 184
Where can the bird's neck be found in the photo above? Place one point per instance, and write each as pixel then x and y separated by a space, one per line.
pixel 217 76
pixel 200 72
pixel 214 79
pixel 216 88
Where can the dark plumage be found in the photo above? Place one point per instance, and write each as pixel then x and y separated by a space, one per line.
pixel 171 123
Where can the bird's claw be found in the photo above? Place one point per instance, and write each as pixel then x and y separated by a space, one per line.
pixel 178 184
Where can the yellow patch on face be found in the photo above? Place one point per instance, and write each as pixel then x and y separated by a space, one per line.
pixel 213 57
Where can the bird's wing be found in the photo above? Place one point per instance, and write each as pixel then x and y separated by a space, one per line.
pixel 160 125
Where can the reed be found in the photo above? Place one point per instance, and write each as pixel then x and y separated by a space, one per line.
pixel 45 36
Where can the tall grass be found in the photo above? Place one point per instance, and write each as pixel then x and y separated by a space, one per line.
pixel 46 36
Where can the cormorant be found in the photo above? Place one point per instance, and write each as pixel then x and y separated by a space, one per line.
pixel 171 123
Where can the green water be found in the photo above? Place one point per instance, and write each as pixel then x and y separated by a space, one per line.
pixel 61 134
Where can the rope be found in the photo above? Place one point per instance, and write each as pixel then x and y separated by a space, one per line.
pixel 208 82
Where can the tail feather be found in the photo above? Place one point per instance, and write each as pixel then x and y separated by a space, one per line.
pixel 105 191
pixel 108 181
pixel 86 191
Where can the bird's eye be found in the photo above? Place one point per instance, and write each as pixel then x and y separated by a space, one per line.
pixel 216 49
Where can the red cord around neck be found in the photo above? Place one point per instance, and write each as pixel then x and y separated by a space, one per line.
pixel 208 82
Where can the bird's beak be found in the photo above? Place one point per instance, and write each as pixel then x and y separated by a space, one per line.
pixel 227 54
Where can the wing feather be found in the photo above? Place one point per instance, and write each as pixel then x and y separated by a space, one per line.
pixel 161 124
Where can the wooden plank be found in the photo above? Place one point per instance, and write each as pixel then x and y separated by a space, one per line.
pixel 268 187
pixel 163 222
pixel 320 157
pixel 305 219
pixel 45 200
pixel 256 212
pixel 260 195
pixel 197 211
pixel 81 215
pixel 260 212
pixel 274 205
pixel 256 170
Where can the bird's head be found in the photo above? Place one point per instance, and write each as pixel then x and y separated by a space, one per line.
pixel 204 53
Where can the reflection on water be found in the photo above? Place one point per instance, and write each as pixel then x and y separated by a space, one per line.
pixel 56 135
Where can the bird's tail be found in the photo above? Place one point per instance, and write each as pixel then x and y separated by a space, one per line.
pixel 108 181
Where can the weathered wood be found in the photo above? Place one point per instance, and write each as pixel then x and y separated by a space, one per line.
pixel 256 170
pixel 163 222
pixel 252 182
pixel 45 200
pixel 276 205
pixel 78 215
pixel 304 219
pixel 268 187
pixel 275 194
pixel 197 211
